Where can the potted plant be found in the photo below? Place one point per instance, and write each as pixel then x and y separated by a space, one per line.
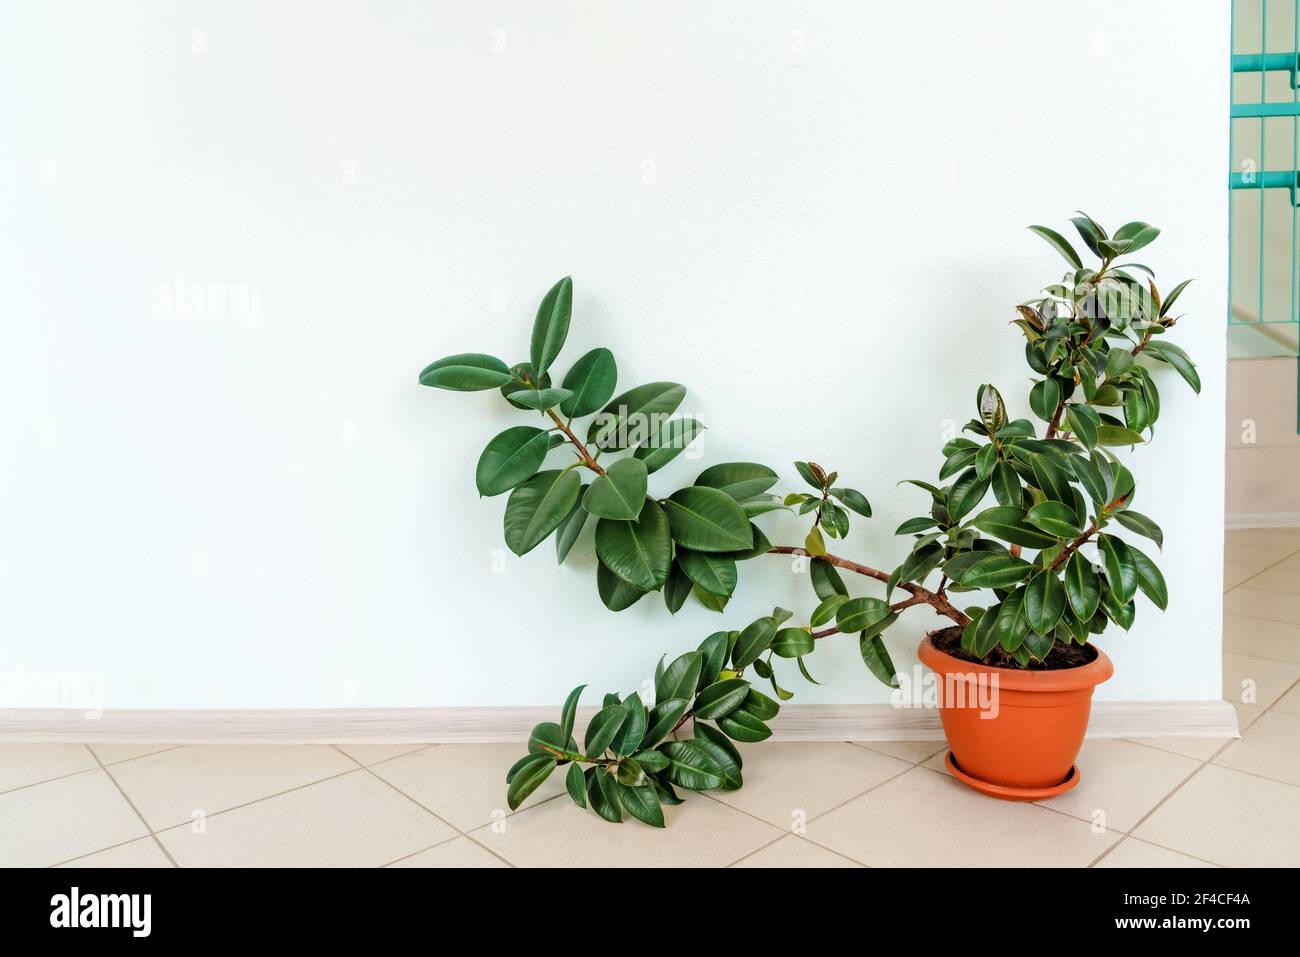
pixel 1044 564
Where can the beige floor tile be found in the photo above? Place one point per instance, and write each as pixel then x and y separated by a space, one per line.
pixel 464 784
pixel 924 819
pixel 1270 748
pixel 1202 749
pixel 1258 603
pixel 913 752
pixel 1256 681
pixel 1259 554
pixel 1289 703
pixel 1229 818
pixel 1134 853
pixel 142 852
pixel 793 851
pixel 354 820
pixel 24 764
pixel 1263 536
pixel 65 818
pixel 1261 638
pixel 1120 782
pixel 1234 575
pixel 374 753
pixel 460 852
pixel 172 787
pixel 1277 579
pixel 699 833
pixel 791 783
pixel 113 753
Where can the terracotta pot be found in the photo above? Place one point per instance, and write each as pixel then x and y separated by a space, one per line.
pixel 1014 734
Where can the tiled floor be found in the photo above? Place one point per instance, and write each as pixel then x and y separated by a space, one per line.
pixel 1171 802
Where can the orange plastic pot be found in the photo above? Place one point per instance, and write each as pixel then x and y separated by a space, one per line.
pixel 1014 734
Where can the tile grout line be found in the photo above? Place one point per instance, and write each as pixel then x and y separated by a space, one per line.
pixel 454 837
pixel 1266 568
pixel 103 767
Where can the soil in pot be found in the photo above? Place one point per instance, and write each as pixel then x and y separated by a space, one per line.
pixel 1061 656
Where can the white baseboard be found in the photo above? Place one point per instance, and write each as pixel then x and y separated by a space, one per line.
pixel 808 722
pixel 1263 520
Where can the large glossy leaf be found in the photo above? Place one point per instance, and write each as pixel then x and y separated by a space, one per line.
pixel 631 418
pixel 591 382
pixel 677 589
pixel 1083 422
pixel 570 529
pixel 996 571
pixel 1121 572
pixel 692 767
pixel 576 785
pixel 1007 522
pixel 1060 244
pixel 604 726
pixel 1082 587
pixel 466 372
pixel 569 712
pixel 753 641
pixel 792 643
pixel 853 499
pixel 528 778
pixel 551 327
pixel 740 725
pixel 716 745
pixel 1179 359
pixel 615 593
pixel 1117 435
pixel 602 795
pixel 642 802
pixel 708 520
pixel 740 480
pixel 826 581
pixel 1006 485
pixel 713 655
pixel 720 698
pixel 549 738
pixel 628 739
pixel 538 506
pixel 679 679
pixel 673 438
pixel 511 457
pixel 1137 522
pixel 876 657
pixel 1149 578
pixel 858 614
pixel 539 399
pixel 1055 518
pixel 664 717
pixel 639 552
pixel 1011 625
pixel 1044 602
pixel 1050 480
pixel 619 493
pixel 966 493
pixel 712 571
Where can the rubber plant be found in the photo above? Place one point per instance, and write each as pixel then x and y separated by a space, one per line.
pixel 1046 554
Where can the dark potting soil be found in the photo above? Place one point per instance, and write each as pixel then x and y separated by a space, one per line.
pixel 1062 655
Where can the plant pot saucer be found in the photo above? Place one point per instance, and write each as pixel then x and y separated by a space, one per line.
pixel 1007 793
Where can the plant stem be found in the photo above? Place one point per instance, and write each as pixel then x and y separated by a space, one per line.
pixel 587 460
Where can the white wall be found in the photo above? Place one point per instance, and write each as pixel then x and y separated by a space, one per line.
pixel 812 215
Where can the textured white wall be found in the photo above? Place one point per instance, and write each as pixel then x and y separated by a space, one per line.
pixel 812 215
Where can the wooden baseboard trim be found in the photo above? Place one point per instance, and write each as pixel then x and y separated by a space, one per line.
pixel 809 722
pixel 1263 520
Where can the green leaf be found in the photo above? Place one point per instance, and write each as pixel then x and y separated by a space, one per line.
pixel 642 802
pixel 708 520
pixel 858 614
pixel 1038 645
pixel 1059 243
pixel 570 529
pixel 628 739
pixel 1043 398
pixel 985 459
pixel 523 377
pixel 713 572
pixel 1118 363
pixel 1092 234
pixel 603 728
pixel 1117 435
pixel 713 655
pixel 716 744
pixel 1180 360
pixel 720 698
pixel 692 767
pixel 537 507
pixel 853 499
pixel 760 705
pixel 1006 485
pixel 1008 523
pixel 664 717
pixel 918 524
pixel 805 470
pixel 825 611
pixel 528 778
pixel 551 327
pixel 1149 578
pixel 740 480
pixel 591 382
pixel 1011 625
pixel 1082 587
pixel 1136 235
pixel 1121 572
pixel 679 679
pixel 826 581
pixel 920 563
pixel 509 458
pixel 672 440
pixel 539 399
pixel 1055 519
pixel 1173 294
pixel 652 762
pixel 876 657
pixel 966 493
pixel 467 372
pixel 986 632
pixel 619 493
pixel 992 410
pixel 753 641
pixel 631 418
pixel 546 738
pixel 996 571
pixel 602 794
pixel 1050 480
pixel 709 600
pixel 568 713
pixel 615 593
pixel 1083 422
pixel 575 784
pixel 677 589
pixel 740 725
pixel 638 552
pixel 792 643
pixel 1118 612
pixel 1139 523
pixel 1044 602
